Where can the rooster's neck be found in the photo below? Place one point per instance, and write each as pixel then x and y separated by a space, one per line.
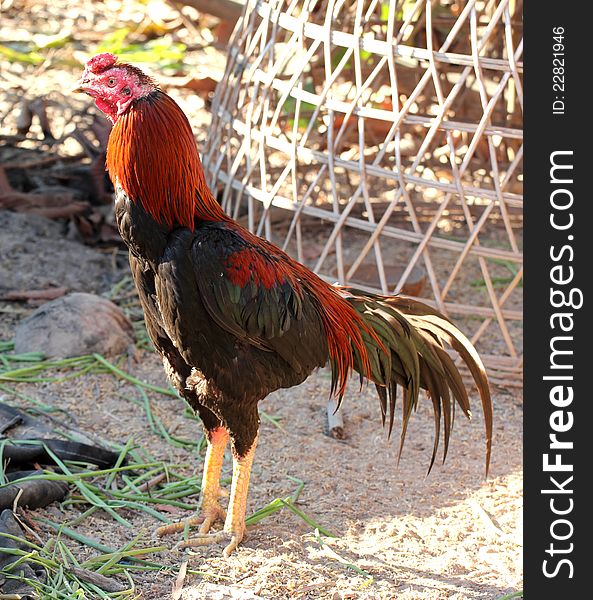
pixel 152 154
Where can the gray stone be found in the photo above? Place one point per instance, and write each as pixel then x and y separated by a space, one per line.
pixel 75 325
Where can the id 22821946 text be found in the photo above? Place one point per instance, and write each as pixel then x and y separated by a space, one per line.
pixel 558 71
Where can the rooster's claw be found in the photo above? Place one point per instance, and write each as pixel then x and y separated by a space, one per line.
pixel 206 539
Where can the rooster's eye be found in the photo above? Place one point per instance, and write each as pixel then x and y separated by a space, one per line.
pixel 111 82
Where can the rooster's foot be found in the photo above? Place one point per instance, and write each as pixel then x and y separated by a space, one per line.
pixel 206 539
pixel 213 513
pixel 207 517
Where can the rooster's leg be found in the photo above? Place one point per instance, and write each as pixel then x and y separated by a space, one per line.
pixel 210 509
pixel 234 526
pixel 211 492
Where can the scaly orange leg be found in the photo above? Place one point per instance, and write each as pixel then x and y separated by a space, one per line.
pixel 211 492
pixel 210 509
pixel 234 525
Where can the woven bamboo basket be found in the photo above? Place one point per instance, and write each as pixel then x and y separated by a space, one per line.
pixel 380 142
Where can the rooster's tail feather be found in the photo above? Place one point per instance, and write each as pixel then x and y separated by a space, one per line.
pixel 409 349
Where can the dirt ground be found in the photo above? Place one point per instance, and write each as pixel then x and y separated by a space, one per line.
pixel 399 534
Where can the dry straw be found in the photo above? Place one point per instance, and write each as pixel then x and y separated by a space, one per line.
pixel 391 132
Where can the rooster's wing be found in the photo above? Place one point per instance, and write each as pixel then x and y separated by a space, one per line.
pixel 247 289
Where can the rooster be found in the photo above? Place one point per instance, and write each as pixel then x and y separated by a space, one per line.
pixel 235 318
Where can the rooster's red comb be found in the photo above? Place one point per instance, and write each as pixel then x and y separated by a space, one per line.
pixel 100 62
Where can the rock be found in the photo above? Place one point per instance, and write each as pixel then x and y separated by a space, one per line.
pixel 75 325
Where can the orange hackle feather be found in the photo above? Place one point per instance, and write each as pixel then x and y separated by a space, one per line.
pixel 153 155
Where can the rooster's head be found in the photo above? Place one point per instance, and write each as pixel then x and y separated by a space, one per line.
pixel 114 86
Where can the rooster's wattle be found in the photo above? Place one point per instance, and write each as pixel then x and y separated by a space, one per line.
pixel 234 317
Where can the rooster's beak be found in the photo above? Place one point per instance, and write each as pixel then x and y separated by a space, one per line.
pixel 79 87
